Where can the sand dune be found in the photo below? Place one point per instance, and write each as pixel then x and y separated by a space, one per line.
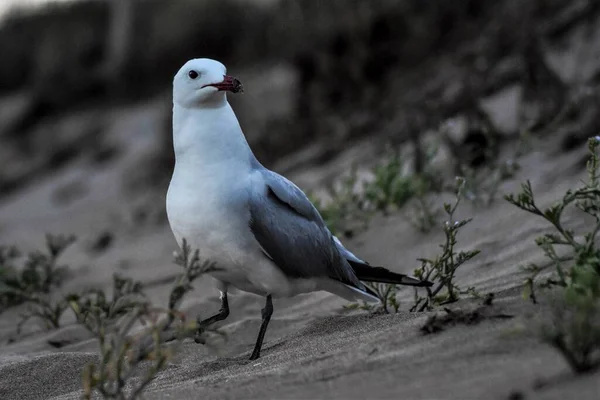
pixel 314 348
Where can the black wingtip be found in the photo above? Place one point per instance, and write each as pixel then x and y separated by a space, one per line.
pixel 410 281
pixel 367 273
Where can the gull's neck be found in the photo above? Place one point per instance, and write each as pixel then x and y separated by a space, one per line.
pixel 209 136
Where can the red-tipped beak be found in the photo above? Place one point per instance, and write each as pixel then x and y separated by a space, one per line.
pixel 229 84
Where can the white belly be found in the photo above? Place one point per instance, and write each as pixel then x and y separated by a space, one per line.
pixel 214 218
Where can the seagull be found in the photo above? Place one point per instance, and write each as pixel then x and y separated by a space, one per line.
pixel 258 227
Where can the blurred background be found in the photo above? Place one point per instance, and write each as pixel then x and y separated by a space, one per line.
pixel 85 92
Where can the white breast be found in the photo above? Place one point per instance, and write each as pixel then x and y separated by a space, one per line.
pixel 214 218
pixel 207 200
pixel 208 209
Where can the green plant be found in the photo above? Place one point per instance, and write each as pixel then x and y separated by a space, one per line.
pixel 387 295
pixel 193 268
pixel 111 321
pixel 121 352
pixel 574 326
pixel 8 273
pixel 391 185
pixel 47 311
pixel 575 330
pixel 40 273
pixel 93 308
pixel 34 283
pixel 394 187
pixel 585 255
pixel 118 362
pixel 441 270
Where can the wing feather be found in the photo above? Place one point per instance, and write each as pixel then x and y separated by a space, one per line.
pixel 292 233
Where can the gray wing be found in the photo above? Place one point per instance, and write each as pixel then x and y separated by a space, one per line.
pixel 292 233
pixel 347 253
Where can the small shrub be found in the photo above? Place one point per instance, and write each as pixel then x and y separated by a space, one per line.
pixel 111 321
pixel 40 273
pixel 585 254
pixel 575 327
pixel 193 268
pixel 352 204
pixel 123 355
pixel 34 283
pixel 8 275
pixel 394 187
pixel 387 295
pixel 112 375
pixel 93 308
pixel 391 185
pixel 441 270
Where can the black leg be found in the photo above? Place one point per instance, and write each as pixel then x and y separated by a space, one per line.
pixel 205 323
pixel 266 317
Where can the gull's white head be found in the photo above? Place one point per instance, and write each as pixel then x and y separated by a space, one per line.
pixel 202 82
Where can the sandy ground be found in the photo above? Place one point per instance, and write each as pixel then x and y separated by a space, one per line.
pixel 314 348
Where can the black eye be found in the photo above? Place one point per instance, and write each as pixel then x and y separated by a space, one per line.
pixel 193 74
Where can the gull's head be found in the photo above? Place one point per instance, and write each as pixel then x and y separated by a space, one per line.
pixel 202 82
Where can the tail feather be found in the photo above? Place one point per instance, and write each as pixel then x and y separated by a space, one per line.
pixel 365 272
pixel 348 292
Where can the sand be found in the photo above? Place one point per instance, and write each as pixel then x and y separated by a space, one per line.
pixel 314 348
